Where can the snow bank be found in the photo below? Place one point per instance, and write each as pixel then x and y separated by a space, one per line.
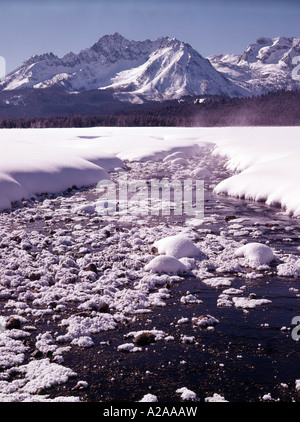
pixel 38 160
pixel 267 162
pixel 35 161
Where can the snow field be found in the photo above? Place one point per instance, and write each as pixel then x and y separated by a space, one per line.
pixel 265 160
pixel 51 160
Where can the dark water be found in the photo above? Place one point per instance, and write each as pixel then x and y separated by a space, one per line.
pixel 241 359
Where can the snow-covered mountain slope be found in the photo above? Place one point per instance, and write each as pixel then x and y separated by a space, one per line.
pixel 161 70
pixel 152 70
pixel 173 70
pixel 264 66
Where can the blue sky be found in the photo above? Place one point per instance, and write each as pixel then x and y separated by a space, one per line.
pixel 211 26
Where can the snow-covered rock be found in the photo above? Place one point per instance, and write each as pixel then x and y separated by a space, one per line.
pixel 205 321
pixel 180 162
pixel 179 246
pixel 201 172
pixel 189 298
pixel 256 254
pixel 165 264
pixel 174 155
pixel 267 397
pixel 149 398
pixel 215 398
pixel 187 394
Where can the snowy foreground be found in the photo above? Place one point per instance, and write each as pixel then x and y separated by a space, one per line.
pixel 266 160
pixel 71 278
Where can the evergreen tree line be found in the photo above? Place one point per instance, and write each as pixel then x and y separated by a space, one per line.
pixel 281 108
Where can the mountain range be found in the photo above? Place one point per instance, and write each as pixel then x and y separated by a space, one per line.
pixel 116 70
pixel 264 66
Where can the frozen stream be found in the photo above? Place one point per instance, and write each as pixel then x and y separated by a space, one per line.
pixel 74 293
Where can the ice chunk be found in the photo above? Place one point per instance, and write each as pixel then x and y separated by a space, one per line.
pixel 246 302
pixel 129 348
pixel 290 268
pixel 217 281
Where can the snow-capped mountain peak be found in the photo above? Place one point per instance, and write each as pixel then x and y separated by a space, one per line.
pixel 157 70
pixel 265 65
pixel 164 69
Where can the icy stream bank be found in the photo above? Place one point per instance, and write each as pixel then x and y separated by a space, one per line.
pixel 76 294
